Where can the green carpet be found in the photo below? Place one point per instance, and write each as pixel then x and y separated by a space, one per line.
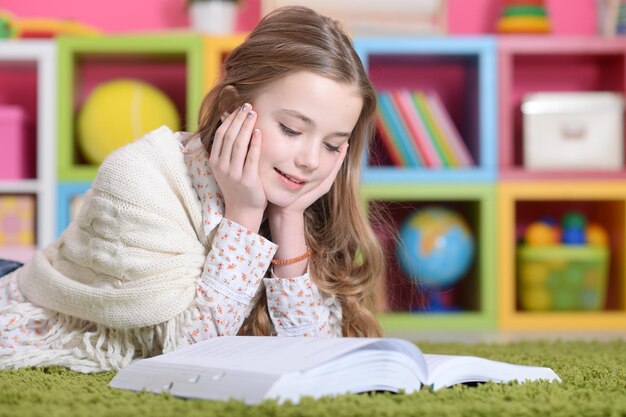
pixel 593 374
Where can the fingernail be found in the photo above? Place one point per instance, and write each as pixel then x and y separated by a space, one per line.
pixel 246 107
pixel 250 115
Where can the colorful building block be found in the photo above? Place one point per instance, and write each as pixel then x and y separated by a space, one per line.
pixel 17 220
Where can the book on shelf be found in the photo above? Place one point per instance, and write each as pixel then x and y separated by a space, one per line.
pixel 256 368
pixel 417 131
pixel 389 144
pixel 395 127
pixel 448 129
pixel 435 135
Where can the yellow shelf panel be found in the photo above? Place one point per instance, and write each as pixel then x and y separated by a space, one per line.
pixel 600 320
pixel 216 48
pixel 611 196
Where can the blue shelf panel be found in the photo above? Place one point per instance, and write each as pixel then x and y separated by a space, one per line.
pixel 483 52
pixel 397 175
pixel 65 192
pixel 448 45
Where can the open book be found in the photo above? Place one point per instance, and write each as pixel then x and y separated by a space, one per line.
pixel 255 368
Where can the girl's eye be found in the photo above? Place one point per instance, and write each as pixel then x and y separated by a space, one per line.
pixel 287 131
pixel 332 148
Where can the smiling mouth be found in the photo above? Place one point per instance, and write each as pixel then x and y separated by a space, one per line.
pixel 290 178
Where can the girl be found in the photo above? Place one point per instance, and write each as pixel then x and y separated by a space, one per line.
pixel 252 225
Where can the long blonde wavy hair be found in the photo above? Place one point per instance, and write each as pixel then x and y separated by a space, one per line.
pixel 347 259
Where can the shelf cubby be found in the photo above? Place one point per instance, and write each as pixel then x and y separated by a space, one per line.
pixel 28 81
pixel 402 299
pixel 569 64
pixel 463 73
pixel 171 63
pixel 522 202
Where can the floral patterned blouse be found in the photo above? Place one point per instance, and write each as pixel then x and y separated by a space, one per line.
pixel 237 264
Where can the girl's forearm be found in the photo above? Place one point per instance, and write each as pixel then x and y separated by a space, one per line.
pixel 288 233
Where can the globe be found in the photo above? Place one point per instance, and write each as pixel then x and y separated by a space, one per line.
pixel 435 248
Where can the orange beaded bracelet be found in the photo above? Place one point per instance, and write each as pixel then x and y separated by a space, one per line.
pixel 292 260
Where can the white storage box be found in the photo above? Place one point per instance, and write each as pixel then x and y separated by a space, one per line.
pixel 573 131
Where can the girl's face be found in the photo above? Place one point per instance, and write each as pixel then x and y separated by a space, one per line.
pixel 303 119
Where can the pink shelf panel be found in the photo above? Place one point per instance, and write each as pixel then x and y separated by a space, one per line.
pixel 528 65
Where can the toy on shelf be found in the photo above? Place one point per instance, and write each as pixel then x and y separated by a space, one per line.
pixel 524 16
pixel 563 267
pixel 119 111
pixel 14 163
pixel 435 249
pixel 11 27
pixel 17 220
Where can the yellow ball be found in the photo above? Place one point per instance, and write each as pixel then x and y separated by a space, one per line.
pixel 540 234
pixel 596 235
pixel 120 111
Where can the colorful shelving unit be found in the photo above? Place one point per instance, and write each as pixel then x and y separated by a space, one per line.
pixel 497 197
pixel 522 202
pixel 474 293
pixel 28 81
pixel 537 64
pixel 173 63
pixel 531 64
pixel 462 72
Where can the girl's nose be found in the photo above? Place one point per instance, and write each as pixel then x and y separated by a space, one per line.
pixel 308 156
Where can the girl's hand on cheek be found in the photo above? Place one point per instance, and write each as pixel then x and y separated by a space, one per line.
pixel 234 161
pixel 305 200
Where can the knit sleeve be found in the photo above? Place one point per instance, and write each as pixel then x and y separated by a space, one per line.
pixel 297 308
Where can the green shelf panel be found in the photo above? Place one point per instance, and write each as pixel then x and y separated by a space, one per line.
pixel 415 322
pixel 484 197
pixel 69 48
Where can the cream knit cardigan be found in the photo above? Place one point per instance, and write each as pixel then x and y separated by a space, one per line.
pixel 120 281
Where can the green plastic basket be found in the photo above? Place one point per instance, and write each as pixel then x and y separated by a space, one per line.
pixel 562 277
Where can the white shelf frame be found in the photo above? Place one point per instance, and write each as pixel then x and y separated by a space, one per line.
pixel 44 54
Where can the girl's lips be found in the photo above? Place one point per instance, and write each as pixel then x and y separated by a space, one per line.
pixel 288 180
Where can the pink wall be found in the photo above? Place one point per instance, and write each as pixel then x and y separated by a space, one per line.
pixel 569 17
pixel 121 15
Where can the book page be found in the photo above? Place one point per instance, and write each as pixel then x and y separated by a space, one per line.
pixel 448 370
pixel 272 355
